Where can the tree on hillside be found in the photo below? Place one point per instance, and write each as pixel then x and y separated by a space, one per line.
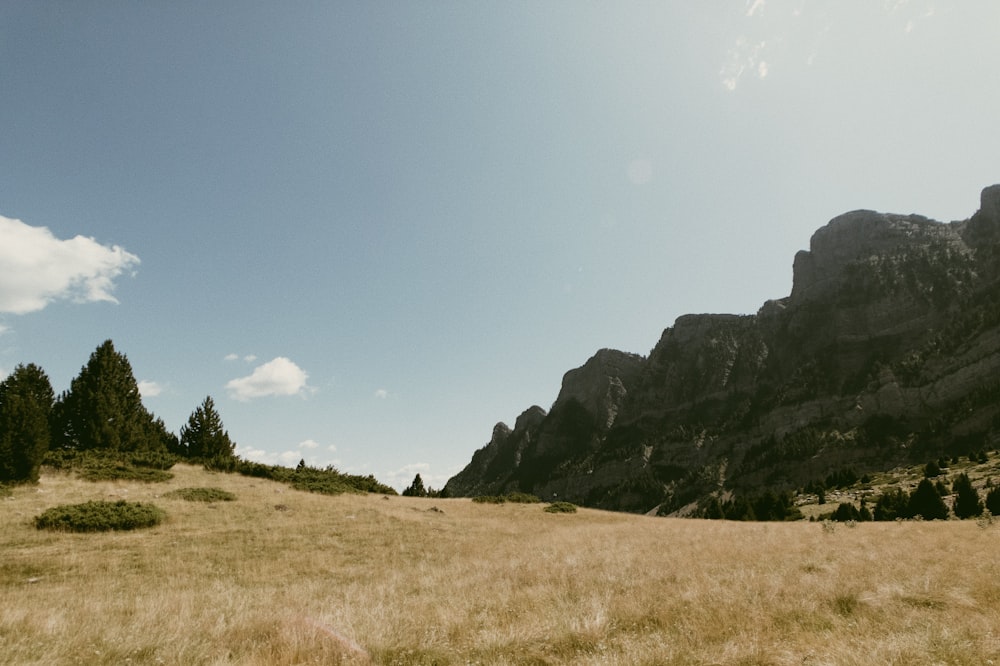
pixel 204 437
pixel 925 501
pixel 967 502
pixel 26 399
pixel 103 409
pixel 892 504
pixel 416 489
pixel 993 501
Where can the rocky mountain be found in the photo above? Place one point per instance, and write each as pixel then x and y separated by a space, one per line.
pixel 886 352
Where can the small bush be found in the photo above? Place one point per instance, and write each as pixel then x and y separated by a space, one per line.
pixel 202 495
pixel 488 499
pixel 100 516
pixel 148 467
pixel 522 498
pixel 124 472
pixel 515 498
pixel 561 507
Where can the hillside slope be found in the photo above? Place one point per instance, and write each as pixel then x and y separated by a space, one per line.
pixel 886 352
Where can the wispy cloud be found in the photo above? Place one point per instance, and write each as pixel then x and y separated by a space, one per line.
pixel 381 394
pixel 309 444
pixel 38 268
pixel 279 376
pixel 149 388
pixel 745 56
pixel 249 358
pixel 288 457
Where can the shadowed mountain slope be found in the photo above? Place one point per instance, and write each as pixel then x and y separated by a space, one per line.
pixel 886 352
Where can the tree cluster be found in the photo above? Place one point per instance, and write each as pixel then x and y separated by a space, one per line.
pixel 101 411
pixel 926 502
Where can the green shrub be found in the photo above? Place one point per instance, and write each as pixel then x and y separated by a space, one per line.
pixel 328 481
pixel 102 465
pixel 561 507
pixel 100 516
pixel 522 498
pixel 488 499
pixel 516 498
pixel 124 472
pixel 202 495
pixel 323 486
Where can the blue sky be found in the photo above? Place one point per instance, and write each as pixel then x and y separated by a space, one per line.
pixel 371 230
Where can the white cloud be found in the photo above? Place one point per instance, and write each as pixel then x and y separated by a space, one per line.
pixel 762 69
pixel 287 458
pixel 231 357
pixel 38 268
pixel 755 5
pixel 381 394
pixel 279 376
pixel 149 388
pixel 402 477
pixel 309 444
pixel 250 358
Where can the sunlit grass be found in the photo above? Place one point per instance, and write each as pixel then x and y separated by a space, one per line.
pixel 279 576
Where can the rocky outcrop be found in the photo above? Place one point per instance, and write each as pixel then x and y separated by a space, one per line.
pixel 887 350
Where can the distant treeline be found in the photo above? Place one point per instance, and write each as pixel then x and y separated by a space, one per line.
pixel 100 427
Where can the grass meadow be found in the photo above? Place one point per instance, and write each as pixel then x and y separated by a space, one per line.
pixel 279 576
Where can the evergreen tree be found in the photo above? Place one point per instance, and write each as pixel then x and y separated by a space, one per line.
pixel 993 501
pixel 891 505
pixel 416 489
pixel 103 409
pixel 204 437
pixel 864 514
pixel 926 502
pixel 26 399
pixel 967 502
pixel 846 511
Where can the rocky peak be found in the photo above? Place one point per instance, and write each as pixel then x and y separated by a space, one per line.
pixel 859 236
pixel 601 384
pixel 989 203
pixel 529 418
pixel 886 351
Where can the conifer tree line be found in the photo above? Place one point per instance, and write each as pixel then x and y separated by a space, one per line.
pixel 101 411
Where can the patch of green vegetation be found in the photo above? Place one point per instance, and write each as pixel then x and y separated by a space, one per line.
pixel 100 516
pixel 103 465
pixel 488 499
pixel 515 498
pixel 202 495
pixel 327 481
pixel 561 507
pixel 124 472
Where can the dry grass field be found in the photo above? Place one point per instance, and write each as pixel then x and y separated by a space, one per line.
pixel 285 577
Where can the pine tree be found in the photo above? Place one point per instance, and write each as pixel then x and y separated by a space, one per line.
pixel 103 408
pixel 204 437
pixel 993 501
pixel 926 502
pixel 416 489
pixel 967 502
pixel 26 399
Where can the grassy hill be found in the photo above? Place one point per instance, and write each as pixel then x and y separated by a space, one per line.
pixel 279 576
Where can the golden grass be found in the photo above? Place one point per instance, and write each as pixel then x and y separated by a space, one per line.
pixel 284 577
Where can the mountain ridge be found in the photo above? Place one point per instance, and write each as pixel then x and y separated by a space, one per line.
pixel 886 350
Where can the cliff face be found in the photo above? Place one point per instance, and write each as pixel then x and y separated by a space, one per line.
pixel 886 351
